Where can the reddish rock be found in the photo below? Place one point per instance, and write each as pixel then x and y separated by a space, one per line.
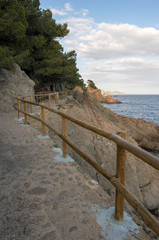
pixel 98 94
pixel 110 100
pixel 77 88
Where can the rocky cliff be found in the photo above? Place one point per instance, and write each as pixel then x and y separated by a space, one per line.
pixel 13 84
pixel 97 93
pixel 141 179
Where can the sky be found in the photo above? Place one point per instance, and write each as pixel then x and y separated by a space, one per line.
pixel 116 41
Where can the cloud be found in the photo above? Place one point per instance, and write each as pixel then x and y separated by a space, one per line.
pixel 85 12
pixel 120 57
pixel 58 12
pixel 130 75
pixel 68 7
pixel 105 40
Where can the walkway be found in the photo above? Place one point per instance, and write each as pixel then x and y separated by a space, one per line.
pixel 41 197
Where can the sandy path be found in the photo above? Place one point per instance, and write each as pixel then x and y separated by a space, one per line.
pixel 40 197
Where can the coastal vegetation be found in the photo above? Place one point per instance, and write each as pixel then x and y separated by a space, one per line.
pixel 29 36
pixel 91 84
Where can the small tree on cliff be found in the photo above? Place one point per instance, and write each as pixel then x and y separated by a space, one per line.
pixel 91 84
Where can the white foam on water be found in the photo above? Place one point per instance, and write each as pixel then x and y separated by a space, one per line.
pixel 112 229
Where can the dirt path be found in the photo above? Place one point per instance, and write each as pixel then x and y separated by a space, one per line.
pixel 42 197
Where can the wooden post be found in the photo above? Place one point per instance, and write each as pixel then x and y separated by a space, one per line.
pixel 49 100
pixel 18 107
pixel 57 98
pixel 64 133
pixel 120 172
pixel 66 93
pixel 43 118
pixel 25 110
pixel 31 106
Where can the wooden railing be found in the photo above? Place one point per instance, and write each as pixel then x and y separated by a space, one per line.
pixel 118 181
pixel 43 96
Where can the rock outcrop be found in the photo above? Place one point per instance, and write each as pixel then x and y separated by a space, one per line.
pixel 109 99
pixel 141 179
pixel 13 84
pixel 98 94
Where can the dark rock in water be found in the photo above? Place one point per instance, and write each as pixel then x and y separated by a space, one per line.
pixel 13 83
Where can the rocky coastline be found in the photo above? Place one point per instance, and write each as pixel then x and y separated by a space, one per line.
pixel 110 100
pixel 100 97
pixel 141 179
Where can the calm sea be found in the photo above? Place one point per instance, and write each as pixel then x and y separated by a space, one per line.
pixel 137 106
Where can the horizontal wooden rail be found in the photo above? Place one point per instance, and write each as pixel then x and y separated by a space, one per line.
pixel 46 94
pixel 140 209
pixel 137 151
pixel 36 95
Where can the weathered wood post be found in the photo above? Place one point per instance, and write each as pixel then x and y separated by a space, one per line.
pixel 43 118
pixel 37 98
pixel 31 106
pixel 49 100
pixel 25 111
pixel 18 107
pixel 57 98
pixel 64 132
pixel 66 93
pixel 120 172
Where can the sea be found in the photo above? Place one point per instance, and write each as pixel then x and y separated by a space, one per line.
pixel 137 106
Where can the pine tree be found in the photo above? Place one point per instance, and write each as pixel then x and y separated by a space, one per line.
pixel 29 36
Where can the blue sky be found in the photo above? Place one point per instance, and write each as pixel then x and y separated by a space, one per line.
pixel 117 41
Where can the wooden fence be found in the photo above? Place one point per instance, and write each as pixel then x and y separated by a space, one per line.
pixel 43 96
pixel 118 181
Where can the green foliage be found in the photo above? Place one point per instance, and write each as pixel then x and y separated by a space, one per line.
pixel 36 82
pixel 29 36
pixel 56 146
pixel 91 84
pixel 6 61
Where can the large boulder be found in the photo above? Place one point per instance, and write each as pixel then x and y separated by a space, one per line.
pixel 13 83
